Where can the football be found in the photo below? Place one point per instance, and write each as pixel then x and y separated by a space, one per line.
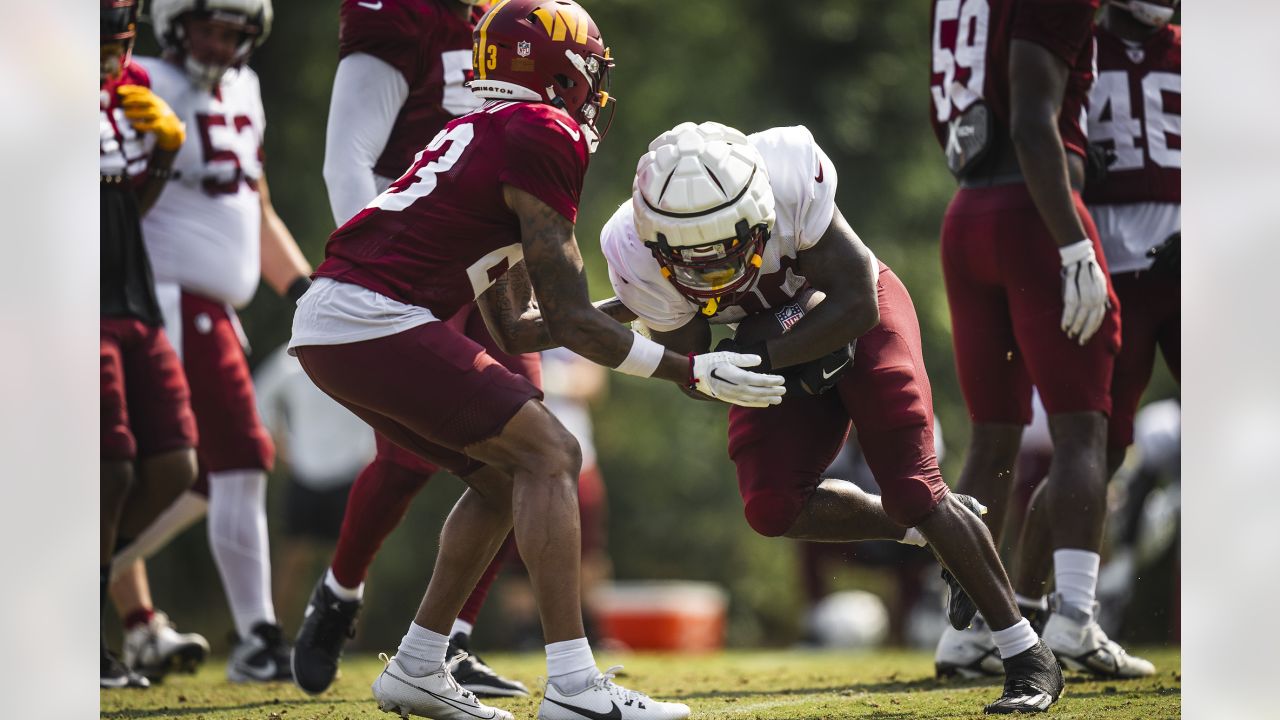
pixel 775 321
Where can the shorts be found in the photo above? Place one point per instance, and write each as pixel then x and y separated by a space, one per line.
pixel 314 514
pixel 429 389
pixel 145 402
pixel 782 452
pixel 1004 288
pixel 1151 312
pixel 232 436
pixel 469 322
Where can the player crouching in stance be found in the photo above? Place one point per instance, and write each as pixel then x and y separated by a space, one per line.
pixel 723 227
pixel 369 332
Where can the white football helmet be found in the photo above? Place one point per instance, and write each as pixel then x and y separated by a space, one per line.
pixel 1154 14
pixel 704 206
pixel 254 16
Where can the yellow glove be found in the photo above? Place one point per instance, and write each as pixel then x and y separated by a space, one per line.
pixel 148 113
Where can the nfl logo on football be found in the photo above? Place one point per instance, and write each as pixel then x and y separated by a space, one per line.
pixel 524 48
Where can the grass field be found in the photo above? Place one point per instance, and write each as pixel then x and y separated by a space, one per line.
pixel 756 685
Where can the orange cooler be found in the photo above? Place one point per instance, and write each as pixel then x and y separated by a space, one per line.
pixel 663 615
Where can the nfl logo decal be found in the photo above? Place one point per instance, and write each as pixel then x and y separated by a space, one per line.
pixel 1136 55
pixel 789 315
pixel 524 48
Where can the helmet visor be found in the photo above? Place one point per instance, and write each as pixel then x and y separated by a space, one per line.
pixel 117 23
pixel 716 268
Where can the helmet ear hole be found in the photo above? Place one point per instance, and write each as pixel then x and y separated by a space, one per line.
pixel 564 81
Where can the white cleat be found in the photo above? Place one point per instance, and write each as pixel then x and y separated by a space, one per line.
pixel 1081 645
pixel 603 700
pixel 436 695
pixel 157 648
pixel 968 653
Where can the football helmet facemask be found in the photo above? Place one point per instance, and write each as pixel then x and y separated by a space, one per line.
pixel 251 17
pixel 547 51
pixel 704 207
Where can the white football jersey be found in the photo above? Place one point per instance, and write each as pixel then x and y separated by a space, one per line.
pixel 203 233
pixel 804 194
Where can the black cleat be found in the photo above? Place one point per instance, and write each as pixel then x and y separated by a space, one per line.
pixel 1032 682
pixel 960 607
pixel 473 674
pixel 329 622
pixel 261 656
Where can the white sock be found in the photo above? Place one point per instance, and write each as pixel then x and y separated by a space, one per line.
pixel 343 592
pixel 422 651
pixel 182 514
pixel 1040 603
pixel 914 537
pixel 1075 572
pixel 238 540
pixel 570 665
pixel 1014 639
pixel 461 626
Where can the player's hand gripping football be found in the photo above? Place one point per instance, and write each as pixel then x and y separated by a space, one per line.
pixel 720 375
pixel 148 113
pixel 1084 291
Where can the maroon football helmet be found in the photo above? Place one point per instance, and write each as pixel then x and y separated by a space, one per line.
pixel 546 51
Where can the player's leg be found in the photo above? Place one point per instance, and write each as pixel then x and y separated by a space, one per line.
pixel 118 448
pixel 237 451
pixel 1074 382
pixel 889 398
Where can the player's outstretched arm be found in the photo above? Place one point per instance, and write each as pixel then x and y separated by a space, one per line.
pixel 691 338
pixel 557 277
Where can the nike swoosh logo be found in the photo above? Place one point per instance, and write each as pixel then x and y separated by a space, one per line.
pixel 819 176
pixel 468 709
pixel 371 6
pixel 727 382
pixel 573 132
pixel 266 672
pixel 613 714
pixel 828 375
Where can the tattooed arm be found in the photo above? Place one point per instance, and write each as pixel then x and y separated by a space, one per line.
pixel 554 269
pixel 512 315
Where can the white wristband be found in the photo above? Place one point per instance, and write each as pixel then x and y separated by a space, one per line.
pixel 643 358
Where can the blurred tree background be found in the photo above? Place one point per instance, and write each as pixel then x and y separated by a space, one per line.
pixel 854 73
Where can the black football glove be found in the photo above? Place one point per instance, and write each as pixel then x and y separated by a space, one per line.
pixel 1097 163
pixel 1168 255
pixel 818 376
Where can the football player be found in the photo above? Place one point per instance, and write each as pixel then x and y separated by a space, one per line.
pixel 148 432
pixel 507 177
pixel 1135 123
pixel 1029 297
pixel 725 228
pixel 1135 112
pixel 400 78
pixel 211 237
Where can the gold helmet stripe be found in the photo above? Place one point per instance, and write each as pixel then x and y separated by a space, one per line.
pixel 479 60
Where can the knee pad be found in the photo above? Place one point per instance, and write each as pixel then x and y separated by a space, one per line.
pixel 772 514
pixel 910 501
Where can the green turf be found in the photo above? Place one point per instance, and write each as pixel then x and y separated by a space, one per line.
pixel 759 684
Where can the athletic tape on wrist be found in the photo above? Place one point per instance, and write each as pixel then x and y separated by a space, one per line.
pixel 643 358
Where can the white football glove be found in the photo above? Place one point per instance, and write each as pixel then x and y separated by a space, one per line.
pixel 720 375
pixel 1084 291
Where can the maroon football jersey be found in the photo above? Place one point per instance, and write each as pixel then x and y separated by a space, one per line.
pixel 971 40
pixel 1136 110
pixel 442 234
pixel 431 48
pixel 121 149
